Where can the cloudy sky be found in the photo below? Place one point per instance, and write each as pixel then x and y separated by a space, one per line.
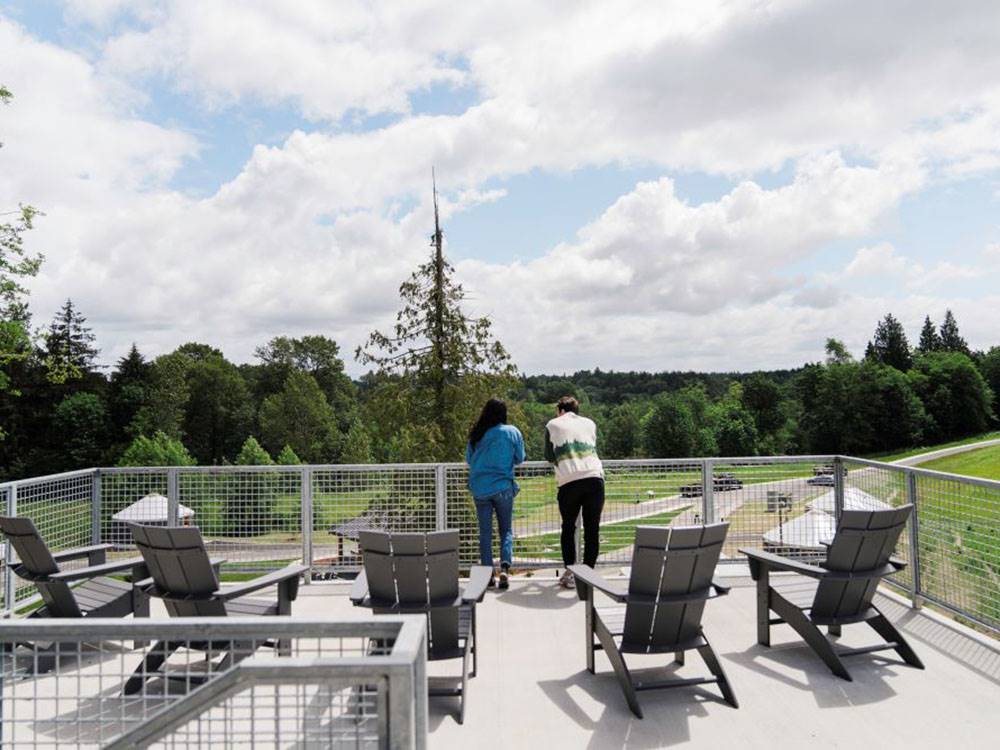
pixel 663 185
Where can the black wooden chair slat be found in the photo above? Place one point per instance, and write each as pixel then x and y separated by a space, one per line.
pixel 670 581
pixel 857 559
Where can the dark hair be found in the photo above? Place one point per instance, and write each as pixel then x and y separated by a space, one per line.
pixel 494 413
pixel 568 403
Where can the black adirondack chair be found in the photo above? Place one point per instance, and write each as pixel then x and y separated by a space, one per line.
pixel 838 591
pixel 78 592
pixel 418 574
pixel 186 580
pixel 670 581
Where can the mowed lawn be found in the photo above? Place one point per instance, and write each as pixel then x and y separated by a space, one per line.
pixel 983 463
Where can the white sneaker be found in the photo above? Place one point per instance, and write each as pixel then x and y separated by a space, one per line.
pixel 567 581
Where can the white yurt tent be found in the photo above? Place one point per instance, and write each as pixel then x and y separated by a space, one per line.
pixel 805 534
pixel 150 510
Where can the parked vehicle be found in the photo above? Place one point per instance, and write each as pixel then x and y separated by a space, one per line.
pixel 822 480
pixel 722 482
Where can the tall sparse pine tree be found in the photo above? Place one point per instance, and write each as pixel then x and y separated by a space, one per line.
pixel 437 366
pixel 889 346
pixel 951 339
pixel 69 345
pixel 930 341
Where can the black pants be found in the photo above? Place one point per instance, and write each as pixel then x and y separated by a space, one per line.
pixel 586 495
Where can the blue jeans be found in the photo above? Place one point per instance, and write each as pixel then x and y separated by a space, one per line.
pixel 503 504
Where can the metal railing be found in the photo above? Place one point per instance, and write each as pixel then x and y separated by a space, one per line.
pixel 261 517
pixel 261 682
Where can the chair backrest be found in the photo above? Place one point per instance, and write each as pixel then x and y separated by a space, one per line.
pixel 669 562
pixel 177 561
pixel 416 571
pixel 31 549
pixel 864 542
pixel 37 564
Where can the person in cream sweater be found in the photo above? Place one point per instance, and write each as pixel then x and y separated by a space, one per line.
pixel 571 445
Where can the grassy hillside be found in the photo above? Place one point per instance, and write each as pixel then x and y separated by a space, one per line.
pixel 896 455
pixel 984 463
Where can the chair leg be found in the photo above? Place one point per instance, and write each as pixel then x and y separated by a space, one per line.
pixel 151 663
pixel 590 630
pixel 475 645
pixel 140 608
pixel 763 607
pixel 679 658
pixel 810 634
pixel 708 654
pixel 834 630
pixel 888 631
pixel 465 684
pixel 618 663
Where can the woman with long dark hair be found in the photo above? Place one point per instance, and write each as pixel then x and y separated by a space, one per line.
pixel 493 450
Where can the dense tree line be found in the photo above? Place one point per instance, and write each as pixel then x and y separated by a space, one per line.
pixel 296 403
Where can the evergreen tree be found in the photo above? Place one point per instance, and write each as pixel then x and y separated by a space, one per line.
pixel 889 346
pixel 128 391
pixel 951 339
pixel 69 345
pixel 930 341
pixel 253 454
pixel 438 366
pixel 288 457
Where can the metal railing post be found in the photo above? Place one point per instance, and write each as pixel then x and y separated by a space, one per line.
pixel 173 497
pixel 306 494
pixel 911 498
pixel 95 507
pixel 708 491
pixel 838 486
pixel 440 497
pixel 8 556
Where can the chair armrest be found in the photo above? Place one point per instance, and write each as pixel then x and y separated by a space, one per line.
pixel 721 589
pixel 590 577
pixel 759 558
pixel 146 584
pixel 261 582
pixel 897 563
pixel 479 580
pixel 359 589
pixel 93 571
pixel 75 554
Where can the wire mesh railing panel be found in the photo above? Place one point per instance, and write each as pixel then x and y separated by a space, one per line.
pixel 131 496
pixel 645 493
pixel 785 507
pixel 60 507
pixel 958 533
pixel 868 487
pixel 250 517
pixel 345 500
pixel 283 716
pixel 201 684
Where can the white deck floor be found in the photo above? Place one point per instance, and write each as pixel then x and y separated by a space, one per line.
pixel 533 690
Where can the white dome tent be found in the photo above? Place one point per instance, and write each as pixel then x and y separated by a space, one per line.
pixel 150 510
pixel 806 534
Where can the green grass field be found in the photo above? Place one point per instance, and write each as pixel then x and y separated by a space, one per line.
pixel 982 462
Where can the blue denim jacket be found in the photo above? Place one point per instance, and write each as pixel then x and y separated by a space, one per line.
pixel 491 464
